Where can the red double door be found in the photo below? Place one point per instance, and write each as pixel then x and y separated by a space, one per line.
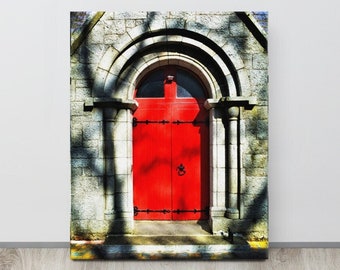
pixel 170 157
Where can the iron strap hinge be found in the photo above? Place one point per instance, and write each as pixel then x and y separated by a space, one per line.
pixel 194 122
pixel 136 211
pixel 167 211
pixel 135 121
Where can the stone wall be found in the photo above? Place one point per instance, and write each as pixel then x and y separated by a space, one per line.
pixel 109 56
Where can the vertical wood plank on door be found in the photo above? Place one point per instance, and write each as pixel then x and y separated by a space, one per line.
pixel 279 259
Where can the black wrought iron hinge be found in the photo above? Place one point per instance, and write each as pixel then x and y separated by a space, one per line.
pixel 135 121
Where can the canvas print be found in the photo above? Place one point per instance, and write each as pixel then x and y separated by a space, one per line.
pixel 169 135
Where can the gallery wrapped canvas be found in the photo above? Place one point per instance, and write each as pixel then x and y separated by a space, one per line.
pixel 169 135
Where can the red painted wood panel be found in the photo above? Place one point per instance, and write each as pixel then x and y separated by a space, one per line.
pixel 161 149
pixel 190 149
pixel 152 174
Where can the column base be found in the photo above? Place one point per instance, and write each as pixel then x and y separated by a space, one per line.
pixel 233 213
pixel 121 223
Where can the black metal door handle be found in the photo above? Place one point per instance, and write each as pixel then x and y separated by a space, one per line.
pixel 181 170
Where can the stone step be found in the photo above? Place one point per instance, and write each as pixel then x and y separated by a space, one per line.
pixel 169 240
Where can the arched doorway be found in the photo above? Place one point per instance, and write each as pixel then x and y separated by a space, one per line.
pixel 171 147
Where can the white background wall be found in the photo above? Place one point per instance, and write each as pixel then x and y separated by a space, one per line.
pixel 304 169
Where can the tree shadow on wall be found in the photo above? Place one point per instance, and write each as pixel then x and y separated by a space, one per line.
pixel 90 160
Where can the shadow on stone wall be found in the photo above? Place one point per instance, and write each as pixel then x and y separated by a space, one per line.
pixel 88 164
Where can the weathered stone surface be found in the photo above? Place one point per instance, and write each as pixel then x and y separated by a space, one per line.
pixel 238 29
pixel 82 152
pixel 197 27
pixel 175 23
pixel 102 150
pixel 87 207
pixel 77 108
pixel 83 71
pixel 255 161
pixel 220 37
pixel 255 146
pixel 115 27
pixel 130 15
pixel 182 15
pixel 82 94
pixel 262 129
pixel 92 130
pixel 258 77
pixel 256 185
pixel 213 21
pixel 97 36
pixel 91 53
pixel 260 61
pixel 261 172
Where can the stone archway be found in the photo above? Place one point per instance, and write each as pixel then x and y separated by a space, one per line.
pixel 117 75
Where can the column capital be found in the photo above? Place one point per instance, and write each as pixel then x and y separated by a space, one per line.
pixel 224 102
pixel 119 103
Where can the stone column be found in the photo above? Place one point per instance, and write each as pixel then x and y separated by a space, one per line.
pixel 232 156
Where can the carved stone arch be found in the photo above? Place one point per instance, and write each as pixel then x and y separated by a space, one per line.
pixel 116 60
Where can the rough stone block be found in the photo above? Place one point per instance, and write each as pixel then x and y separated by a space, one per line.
pixel 82 94
pixel 81 152
pixel 110 39
pixel 244 77
pixel 258 77
pixel 156 21
pixel 108 58
pixel 130 15
pixel 82 71
pixel 98 85
pixel 183 15
pixel 87 207
pixel 79 163
pixel 77 108
pixel 262 93
pixel 238 29
pixel 92 130
pixel 84 83
pixel 197 27
pixel 220 37
pixel 122 42
pixel 260 172
pixel 213 21
pixel 255 161
pixel 247 60
pixel 257 147
pixel 116 26
pixel 96 36
pixel 260 61
pixel 256 185
pixel 91 53
pixel 175 23
pixel 262 130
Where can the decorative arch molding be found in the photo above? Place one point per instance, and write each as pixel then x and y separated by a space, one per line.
pixel 223 63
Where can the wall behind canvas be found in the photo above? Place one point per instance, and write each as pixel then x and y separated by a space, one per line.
pixel 303 126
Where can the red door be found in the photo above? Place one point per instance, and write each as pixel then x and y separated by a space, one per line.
pixel 170 148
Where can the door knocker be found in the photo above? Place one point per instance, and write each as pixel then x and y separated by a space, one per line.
pixel 181 170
